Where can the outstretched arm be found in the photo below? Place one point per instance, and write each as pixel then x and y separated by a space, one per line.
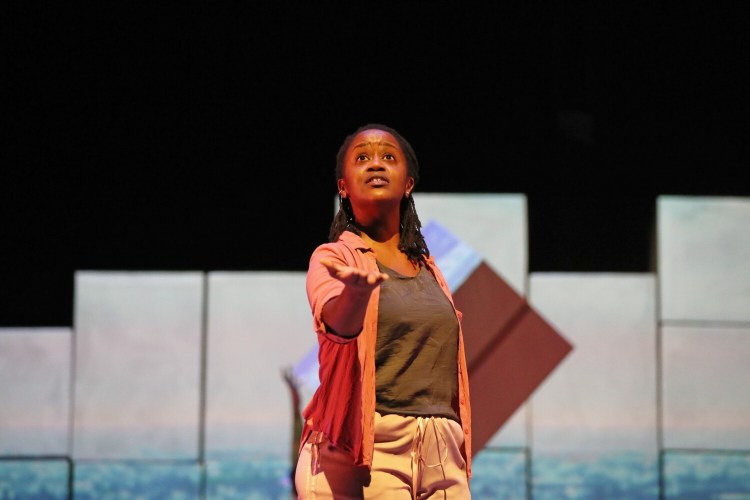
pixel 345 313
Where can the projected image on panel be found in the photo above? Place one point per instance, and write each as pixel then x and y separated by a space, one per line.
pixel 704 258
pixel 34 391
pixel 259 325
pixel 594 420
pixel 706 388
pixel 138 365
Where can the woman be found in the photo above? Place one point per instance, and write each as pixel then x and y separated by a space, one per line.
pixel 391 417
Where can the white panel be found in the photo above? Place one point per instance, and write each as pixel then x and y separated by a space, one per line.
pixel 138 364
pixel 34 391
pixel 495 225
pixel 601 399
pixel 706 387
pixel 704 258
pixel 259 324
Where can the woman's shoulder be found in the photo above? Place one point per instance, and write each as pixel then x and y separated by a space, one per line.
pixel 347 240
pixel 429 262
pixel 347 246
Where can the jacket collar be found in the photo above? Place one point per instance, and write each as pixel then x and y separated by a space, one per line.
pixel 355 241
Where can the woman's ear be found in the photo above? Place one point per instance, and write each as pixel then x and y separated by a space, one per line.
pixel 341 187
pixel 409 186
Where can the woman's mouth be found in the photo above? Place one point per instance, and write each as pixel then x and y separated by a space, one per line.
pixel 377 181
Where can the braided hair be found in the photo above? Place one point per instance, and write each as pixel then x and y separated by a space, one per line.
pixel 412 242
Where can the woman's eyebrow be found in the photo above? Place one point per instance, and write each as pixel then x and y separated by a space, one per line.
pixel 364 144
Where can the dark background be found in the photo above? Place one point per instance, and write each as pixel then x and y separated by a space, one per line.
pixel 202 136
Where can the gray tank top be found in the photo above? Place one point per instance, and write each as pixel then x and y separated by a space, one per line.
pixel 416 351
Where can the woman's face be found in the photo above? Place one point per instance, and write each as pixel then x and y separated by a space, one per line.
pixel 375 170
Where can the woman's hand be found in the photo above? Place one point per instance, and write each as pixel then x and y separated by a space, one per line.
pixel 354 277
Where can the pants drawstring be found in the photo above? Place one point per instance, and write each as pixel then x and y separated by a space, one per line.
pixel 418 461
pixel 312 472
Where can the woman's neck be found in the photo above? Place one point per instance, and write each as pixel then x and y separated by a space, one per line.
pixel 379 238
pixel 388 252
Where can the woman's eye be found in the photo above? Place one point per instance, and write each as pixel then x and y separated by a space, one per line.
pixel 362 157
pixel 389 156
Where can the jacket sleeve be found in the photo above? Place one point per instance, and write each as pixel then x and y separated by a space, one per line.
pixel 322 287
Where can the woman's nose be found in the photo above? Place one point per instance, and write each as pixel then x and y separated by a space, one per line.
pixel 375 164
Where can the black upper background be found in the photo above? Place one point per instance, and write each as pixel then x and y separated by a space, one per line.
pixel 202 136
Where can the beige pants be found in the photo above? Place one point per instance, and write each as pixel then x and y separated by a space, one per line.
pixel 415 458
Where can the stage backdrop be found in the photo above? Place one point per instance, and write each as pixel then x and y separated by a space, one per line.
pixel 171 384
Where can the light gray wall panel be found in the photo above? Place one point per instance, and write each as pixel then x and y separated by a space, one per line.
pixel 138 364
pixel 594 417
pixel 706 387
pixel 602 397
pixel 704 258
pixel 34 391
pixel 259 324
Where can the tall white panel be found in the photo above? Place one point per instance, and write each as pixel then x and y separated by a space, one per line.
pixel 138 364
pixel 602 397
pixel 706 388
pixel 34 391
pixel 704 258
pixel 259 324
pixel 598 407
